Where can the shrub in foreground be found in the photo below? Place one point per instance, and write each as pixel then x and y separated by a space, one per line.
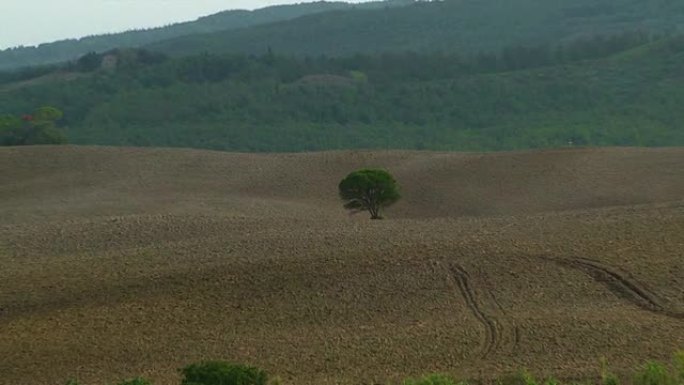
pixel 432 379
pixel 222 373
pixel 654 373
pixel 524 377
pixel 135 381
pixel 679 366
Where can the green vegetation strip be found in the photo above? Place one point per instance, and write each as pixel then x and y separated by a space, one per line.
pixel 224 373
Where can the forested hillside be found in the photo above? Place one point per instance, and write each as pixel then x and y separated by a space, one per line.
pixel 225 21
pixel 627 90
pixel 338 29
pixel 453 26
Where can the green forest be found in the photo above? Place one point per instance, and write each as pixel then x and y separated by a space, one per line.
pixel 448 26
pixel 624 90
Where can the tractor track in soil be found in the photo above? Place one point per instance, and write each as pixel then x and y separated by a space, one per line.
pixel 491 326
pixel 514 339
pixel 620 284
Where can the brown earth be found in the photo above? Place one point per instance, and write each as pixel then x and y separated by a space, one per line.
pixel 119 262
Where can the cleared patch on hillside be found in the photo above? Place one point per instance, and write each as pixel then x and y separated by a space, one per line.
pixel 45 79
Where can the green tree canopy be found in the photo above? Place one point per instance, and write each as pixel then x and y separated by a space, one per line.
pixel 369 190
pixel 37 128
pixel 47 114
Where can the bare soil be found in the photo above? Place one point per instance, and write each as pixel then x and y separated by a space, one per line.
pixel 118 262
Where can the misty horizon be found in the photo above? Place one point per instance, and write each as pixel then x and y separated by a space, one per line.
pixel 75 19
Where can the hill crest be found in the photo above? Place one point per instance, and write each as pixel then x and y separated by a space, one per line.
pixel 434 184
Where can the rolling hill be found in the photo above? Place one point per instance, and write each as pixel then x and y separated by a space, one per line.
pixel 449 26
pixel 124 261
pixel 66 50
pixel 341 29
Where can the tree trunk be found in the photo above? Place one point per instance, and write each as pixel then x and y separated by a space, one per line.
pixel 375 212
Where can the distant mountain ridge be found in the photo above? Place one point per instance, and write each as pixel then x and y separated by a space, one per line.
pixel 453 26
pixel 342 29
pixel 65 50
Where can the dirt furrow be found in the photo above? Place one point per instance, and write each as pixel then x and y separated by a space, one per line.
pixel 491 327
pixel 621 285
pixel 509 331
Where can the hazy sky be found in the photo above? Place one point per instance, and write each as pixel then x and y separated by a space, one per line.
pixel 30 22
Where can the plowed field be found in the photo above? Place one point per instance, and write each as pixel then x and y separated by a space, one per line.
pixel 118 262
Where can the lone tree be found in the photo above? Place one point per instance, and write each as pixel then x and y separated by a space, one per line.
pixel 369 190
